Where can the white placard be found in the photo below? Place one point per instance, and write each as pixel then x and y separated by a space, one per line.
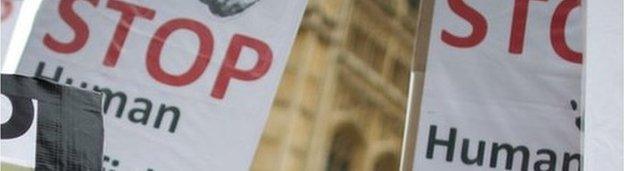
pixel 502 86
pixel 188 84
pixel 9 10
pixel 603 138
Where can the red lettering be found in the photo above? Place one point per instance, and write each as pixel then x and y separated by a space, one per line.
pixel 80 28
pixel 7 9
pixel 206 43
pixel 128 13
pixel 518 26
pixel 479 26
pixel 229 70
pixel 557 31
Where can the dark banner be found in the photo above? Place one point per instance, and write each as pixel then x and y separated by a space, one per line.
pixel 50 127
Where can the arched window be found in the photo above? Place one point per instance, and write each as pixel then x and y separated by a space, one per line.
pixel 347 142
pixel 387 161
pixel 413 3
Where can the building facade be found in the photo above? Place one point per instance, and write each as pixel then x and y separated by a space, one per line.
pixel 341 101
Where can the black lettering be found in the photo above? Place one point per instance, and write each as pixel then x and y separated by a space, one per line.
pixel 135 115
pixel 465 149
pixel 567 159
pixel 551 163
pixel 174 121
pixel 109 96
pixel 55 78
pixel 449 144
pixel 496 148
pixel 22 116
pixel 145 113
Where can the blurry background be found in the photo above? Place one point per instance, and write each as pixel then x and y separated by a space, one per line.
pixel 341 101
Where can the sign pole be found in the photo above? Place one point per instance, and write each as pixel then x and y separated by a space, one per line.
pixel 419 60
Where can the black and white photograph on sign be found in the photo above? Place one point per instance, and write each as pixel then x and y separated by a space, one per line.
pixel 225 8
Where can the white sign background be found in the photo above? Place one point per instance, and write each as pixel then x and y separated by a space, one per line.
pixel 211 133
pixel 489 94
pixel 10 11
pixel 603 139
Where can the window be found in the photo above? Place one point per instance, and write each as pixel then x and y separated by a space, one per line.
pixel 347 142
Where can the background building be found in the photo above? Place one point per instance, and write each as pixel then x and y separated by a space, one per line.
pixel 341 101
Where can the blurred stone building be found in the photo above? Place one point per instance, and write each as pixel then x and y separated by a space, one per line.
pixel 341 101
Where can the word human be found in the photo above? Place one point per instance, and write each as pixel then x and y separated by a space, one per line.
pixel 131 13
pixel 547 157
pixel 142 111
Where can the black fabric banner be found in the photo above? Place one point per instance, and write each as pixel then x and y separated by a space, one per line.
pixel 70 131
